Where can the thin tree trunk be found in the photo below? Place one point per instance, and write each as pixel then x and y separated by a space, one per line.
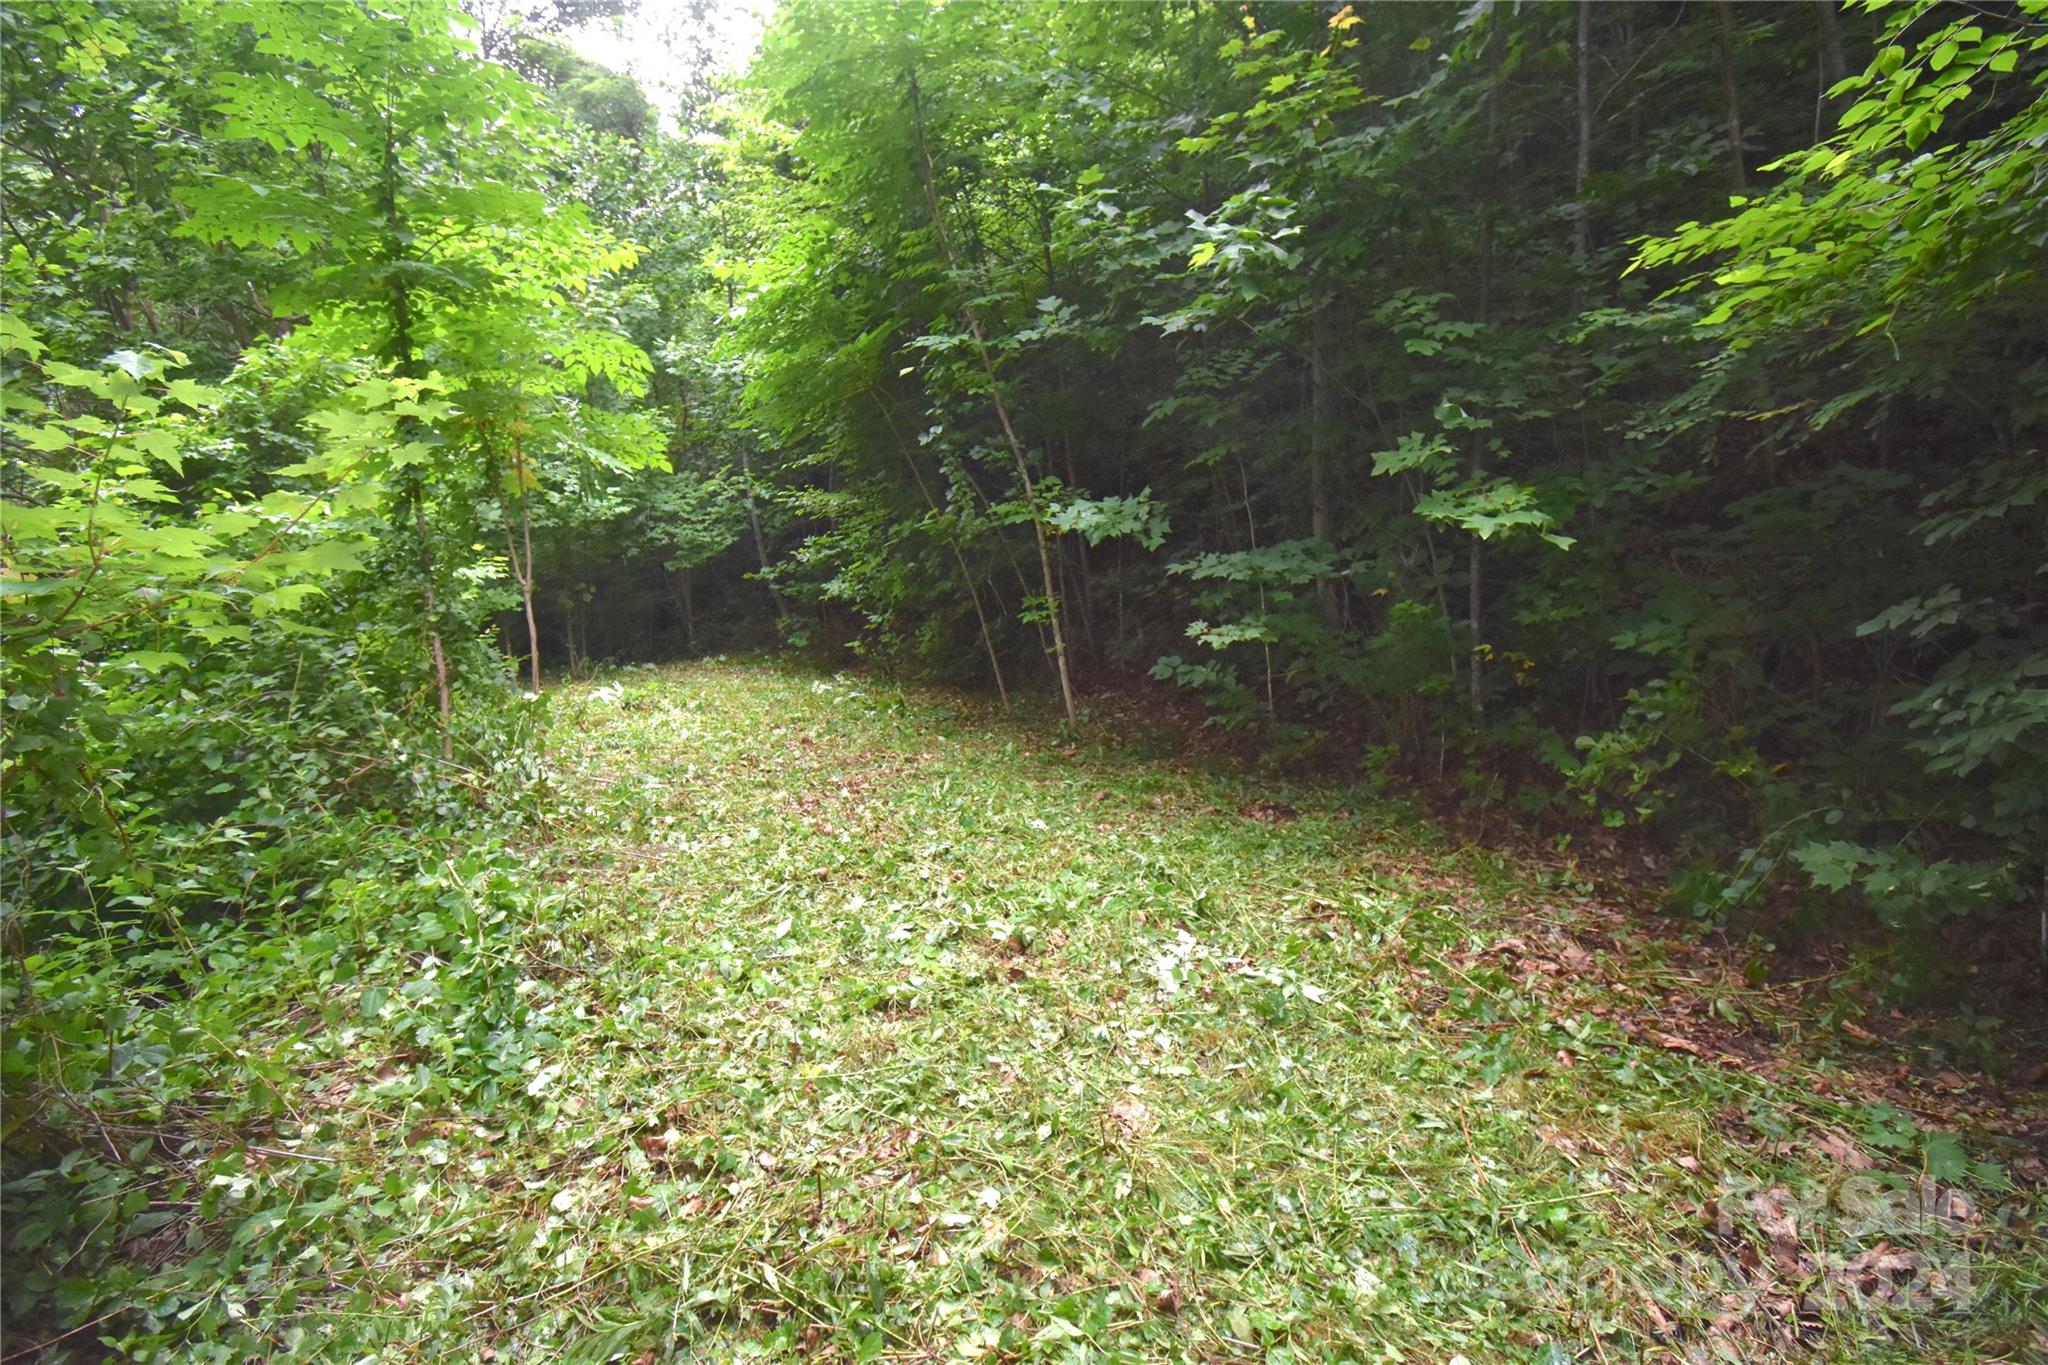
pixel 760 542
pixel 532 625
pixel 1834 62
pixel 1010 558
pixel 443 692
pixel 1251 533
pixel 1475 570
pixel 1582 208
pixel 987 640
pixel 1086 595
pixel 403 357
pixel 689 611
pixel 525 581
pixel 1582 212
pixel 1437 575
pixel 1120 570
pixel 973 319
pixel 1087 576
pixel 1475 610
pixel 1726 13
pixel 522 563
pixel 1321 427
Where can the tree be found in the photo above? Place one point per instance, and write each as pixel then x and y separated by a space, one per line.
pixel 397 165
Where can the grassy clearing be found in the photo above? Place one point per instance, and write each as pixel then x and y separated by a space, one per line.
pixel 920 1036
pixel 825 1021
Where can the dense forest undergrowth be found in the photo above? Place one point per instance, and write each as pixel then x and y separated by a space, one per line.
pixel 1605 434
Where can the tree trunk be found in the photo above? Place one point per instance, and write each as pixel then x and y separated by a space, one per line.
pixel 689 612
pixel 1251 535
pixel 1582 212
pixel 1475 567
pixel 1834 62
pixel 760 543
pixel 521 559
pixel 403 357
pixel 443 693
pixel 988 642
pixel 1016 569
pixel 1030 488
pixel 1834 57
pixel 526 591
pixel 1726 13
pixel 579 636
pixel 1322 426
pixel 1085 571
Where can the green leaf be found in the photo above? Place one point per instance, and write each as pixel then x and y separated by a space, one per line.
pixel 17 336
pixel 1944 1157
pixel 1832 864
pixel 283 598
pixel 150 660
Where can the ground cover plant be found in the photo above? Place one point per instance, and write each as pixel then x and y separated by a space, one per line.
pixel 818 1019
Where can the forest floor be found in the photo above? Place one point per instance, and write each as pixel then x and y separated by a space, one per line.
pixel 812 1018
pixel 912 1032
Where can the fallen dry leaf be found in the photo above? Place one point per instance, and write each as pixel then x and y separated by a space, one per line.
pixel 1844 1153
pixel 658 1145
pixel 1131 1117
pixel 1941 1201
pixel 1884 1272
pixel 1774 1214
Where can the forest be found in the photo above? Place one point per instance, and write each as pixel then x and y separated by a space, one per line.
pixel 1198 680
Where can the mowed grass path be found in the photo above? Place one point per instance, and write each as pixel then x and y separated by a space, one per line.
pixel 908 1032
